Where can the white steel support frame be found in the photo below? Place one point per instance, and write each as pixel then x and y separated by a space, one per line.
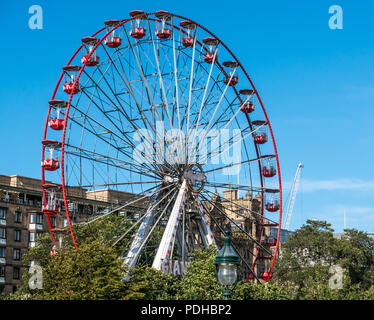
pixel 207 233
pixel 133 254
pixel 168 238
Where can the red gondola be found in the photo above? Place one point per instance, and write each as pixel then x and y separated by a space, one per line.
pixel 212 44
pixel 248 105
pixel 50 163
pixel 113 40
pixel 90 60
pixel 272 203
pixel 230 76
pixel 55 120
pixel 71 73
pixel 137 30
pixel 259 135
pixel 161 31
pixel 189 30
pixel 268 166
pixel 51 206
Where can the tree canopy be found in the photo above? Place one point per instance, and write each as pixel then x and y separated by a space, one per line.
pixel 306 269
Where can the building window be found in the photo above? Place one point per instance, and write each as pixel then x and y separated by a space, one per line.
pixel 17 254
pixel 2 233
pixel 17 235
pixel 16 273
pixel 18 217
pixel 2 271
pixel 39 218
pixel 31 236
pixel 65 222
pixel 53 221
pixel 3 212
pixel 2 252
pixel 32 218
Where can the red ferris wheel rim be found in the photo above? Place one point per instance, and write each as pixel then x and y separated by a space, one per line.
pixel 100 41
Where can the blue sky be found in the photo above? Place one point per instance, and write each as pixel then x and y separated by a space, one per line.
pixel 317 86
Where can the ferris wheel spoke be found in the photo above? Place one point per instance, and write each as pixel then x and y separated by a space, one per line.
pixel 123 112
pixel 162 85
pixel 126 82
pixel 236 164
pixel 176 104
pixel 143 234
pixel 132 200
pixel 206 103
pixel 142 75
pixel 118 163
pixel 150 96
pixel 234 204
pixel 150 209
pixel 235 140
pixel 100 135
pixel 215 125
pixel 189 96
pixel 223 214
pixel 203 98
pixel 236 186
pixel 117 184
pixel 93 130
pixel 222 231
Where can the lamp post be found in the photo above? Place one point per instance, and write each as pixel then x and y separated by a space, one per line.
pixel 227 262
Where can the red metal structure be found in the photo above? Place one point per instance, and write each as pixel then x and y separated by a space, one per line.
pixel 103 99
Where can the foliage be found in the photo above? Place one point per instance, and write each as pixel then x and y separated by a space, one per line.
pixel 303 268
pixel 199 282
pixel 260 291
pixel 301 272
pixel 150 284
pixel 93 272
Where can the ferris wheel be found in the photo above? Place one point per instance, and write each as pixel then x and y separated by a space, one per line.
pixel 157 107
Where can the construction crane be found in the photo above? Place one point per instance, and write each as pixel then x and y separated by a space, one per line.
pixel 292 198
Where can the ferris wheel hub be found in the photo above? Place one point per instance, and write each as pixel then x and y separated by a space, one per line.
pixel 195 177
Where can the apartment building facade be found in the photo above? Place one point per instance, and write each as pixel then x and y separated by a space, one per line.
pixel 22 221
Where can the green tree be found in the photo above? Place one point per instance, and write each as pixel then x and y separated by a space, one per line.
pixel 303 267
pixel 150 284
pixel 260 291
pixel 199 282
pixel 94 272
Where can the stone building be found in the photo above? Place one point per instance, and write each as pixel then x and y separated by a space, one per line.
pixel 242 215
pixel 21 220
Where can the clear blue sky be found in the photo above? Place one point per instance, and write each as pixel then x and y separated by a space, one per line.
pixel 317 85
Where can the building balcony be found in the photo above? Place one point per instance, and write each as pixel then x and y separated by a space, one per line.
pixel 35 227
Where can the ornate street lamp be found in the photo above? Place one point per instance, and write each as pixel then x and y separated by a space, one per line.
pixel 227 262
